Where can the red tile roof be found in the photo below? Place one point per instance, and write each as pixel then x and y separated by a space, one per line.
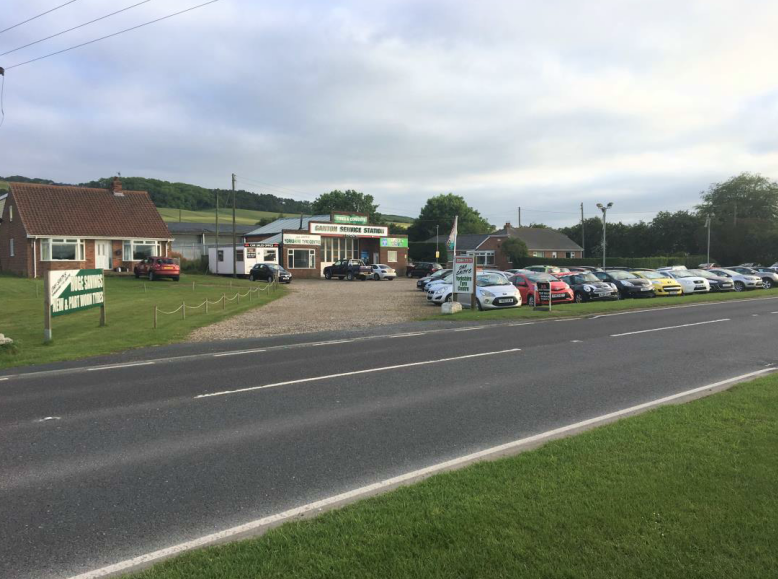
pixel 84 212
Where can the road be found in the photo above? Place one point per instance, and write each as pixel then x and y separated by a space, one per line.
pixel 108 462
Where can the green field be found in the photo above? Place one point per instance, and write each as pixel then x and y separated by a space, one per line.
pixel 242 216
pixel 4 186
pixel 592 308
pixel 129 310
pixel 682 491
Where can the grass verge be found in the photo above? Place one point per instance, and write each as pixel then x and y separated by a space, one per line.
pixel 129 310
pixel 682 491
pixel 591 308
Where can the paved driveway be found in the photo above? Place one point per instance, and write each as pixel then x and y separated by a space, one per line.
pixel 317 305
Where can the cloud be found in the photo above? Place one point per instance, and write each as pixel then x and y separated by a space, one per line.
pixel 545 105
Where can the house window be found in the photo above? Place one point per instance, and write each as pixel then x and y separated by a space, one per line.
pixel 10 213
pixel 301 259
pixel 62 250
pixel 484 258
pixel 220 253
pixel 12 247
pixel 239 255
pixel 553 254
pixel 391 256
pixel 570 255
pixel 270 255
pixel 139 250
pixel 538 254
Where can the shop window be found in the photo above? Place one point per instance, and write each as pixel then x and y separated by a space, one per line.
pixel 239 255
pixel 270 255
pixel 301 259
pixel 62 250
pixel 139 250
pixel 220 253
pixel 391 256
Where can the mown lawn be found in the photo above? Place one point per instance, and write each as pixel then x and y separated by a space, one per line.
pixel 129 310
pixel 684 491
pixel 591 308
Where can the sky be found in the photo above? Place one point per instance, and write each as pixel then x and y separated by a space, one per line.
pixel 543 105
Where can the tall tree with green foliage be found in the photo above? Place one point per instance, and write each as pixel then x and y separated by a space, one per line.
pixel 514 249
pixel 441 211
pixel 348 200
pixel 747 196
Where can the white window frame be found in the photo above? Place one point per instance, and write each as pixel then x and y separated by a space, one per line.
pixel 391 256
pixel 570 254
pixel 311 259
pixel 553 255
pixel 131 244
pixel 48 243
pixel 10 213
pixel 484 258
pixel 11 247
pixel 538 254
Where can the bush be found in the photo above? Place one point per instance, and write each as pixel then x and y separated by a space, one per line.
pixel 195 265
pixel 690 261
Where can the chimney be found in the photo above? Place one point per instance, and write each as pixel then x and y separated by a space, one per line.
pixel 507 225
pixel 116 187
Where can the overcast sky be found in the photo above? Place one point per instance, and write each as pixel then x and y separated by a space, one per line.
pixel 540 104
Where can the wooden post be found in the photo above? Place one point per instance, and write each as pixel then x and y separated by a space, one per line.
pixel 206 305
pixel 224 302
pixel 47 307
pixel 238 294
pixel 155 317
pixel 183 310
pixel 144 287
pixel 193 286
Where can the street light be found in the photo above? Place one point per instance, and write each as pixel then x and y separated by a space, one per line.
pixel 604 209
pixel 707 222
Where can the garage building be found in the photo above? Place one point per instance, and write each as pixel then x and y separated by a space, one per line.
pixel 308 244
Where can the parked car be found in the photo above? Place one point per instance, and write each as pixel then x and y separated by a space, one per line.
pixel 445 280
pixel 588 287
pixel 691 284
pixel 493 291
pixel 422 268
pixel 382 272
pixel 546 269
pixel 742 281
pixel 527 284
pixel 268 272
pixel 350 269
pixel 717 282
pixel 663 285
pixel 156 267
pixel 427 279
pixel 627 283
pixel 769 277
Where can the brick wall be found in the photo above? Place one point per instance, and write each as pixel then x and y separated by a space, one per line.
pixel 302 273
pixel 21 262
pixel 402 258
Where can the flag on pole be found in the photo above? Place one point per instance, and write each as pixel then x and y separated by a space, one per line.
pixel 452 238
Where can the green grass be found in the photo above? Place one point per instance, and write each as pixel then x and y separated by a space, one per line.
pixel 242 216
pixel 4 186
pixel 683 491
pixel 592 308
pixel 129 311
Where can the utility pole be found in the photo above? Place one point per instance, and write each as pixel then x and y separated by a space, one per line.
pixel 234 239
pixel 707 222
pixel 217 233
pixel 437 242
pixel 583 236
pixel 604 209
pixel 519 216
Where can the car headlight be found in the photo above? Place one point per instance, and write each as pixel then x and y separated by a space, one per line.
pixel 628 283
pixel 588 288
pixel 487 293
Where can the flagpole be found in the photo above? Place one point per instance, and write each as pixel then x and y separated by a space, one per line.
pixel 455 231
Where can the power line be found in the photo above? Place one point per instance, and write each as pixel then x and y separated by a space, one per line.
pixel 38 16
pixel 114 34
pixel 76 27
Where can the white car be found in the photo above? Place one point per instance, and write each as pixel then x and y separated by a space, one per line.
pixel 742 281
pixel 423 281
pixel 445 280
pixel 690 283
pixel 492 291
pixel 381 272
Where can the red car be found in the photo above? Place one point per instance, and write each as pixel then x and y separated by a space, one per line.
pixel 158 267
pixel 527 286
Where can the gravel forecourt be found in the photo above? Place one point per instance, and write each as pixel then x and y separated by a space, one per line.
pixel 314 305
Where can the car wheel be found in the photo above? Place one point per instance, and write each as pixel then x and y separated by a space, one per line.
pixel 176 278
pixel 251 277
pixel 376 277
pixel 327 275
pixel 531 301
pixel 767 283
pixel 478 305
pixel 739 286
pixel 408 274
pixel 151 276
pixel 350 276
pixel 579 298
pixel 269 279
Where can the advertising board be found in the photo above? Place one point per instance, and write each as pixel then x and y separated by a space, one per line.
pixel 301 239
pixel 350 219
pixel 73 290
pixel 394 242
pixel 348 230
pixel 464 274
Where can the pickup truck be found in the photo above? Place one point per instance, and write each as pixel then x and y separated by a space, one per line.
pixel 348 268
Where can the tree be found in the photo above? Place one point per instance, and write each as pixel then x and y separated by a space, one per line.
pixel 441 211
pixel 747 195
pixel 348 200
pixel 539 225
pixel 514 249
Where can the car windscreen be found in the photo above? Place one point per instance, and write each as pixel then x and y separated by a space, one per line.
pixel 536 277
pixel 727 271
pixel 622 275
pixel 652 275
pixel 681 273
pixel 703 273
pixel 490 280
pixel 590 277
pixel 166 260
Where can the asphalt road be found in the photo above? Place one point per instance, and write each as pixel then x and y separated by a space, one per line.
pixel 102 463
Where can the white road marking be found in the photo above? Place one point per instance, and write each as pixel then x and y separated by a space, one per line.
pixel 697 305
pixel 49 418
pixel 238 352
pixel 754 315
pixel 522 324
pixel 330 342
pixel 1 379
pixel 120 366
pixel 469 329
pixel 354 373
pixel 406 335
pixel 669 328
pixel 408 477
pixel 576 341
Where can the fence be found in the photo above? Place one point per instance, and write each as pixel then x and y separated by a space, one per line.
pixel 273 286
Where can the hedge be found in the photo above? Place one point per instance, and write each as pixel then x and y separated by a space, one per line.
pixel 423 251
pixel 690 261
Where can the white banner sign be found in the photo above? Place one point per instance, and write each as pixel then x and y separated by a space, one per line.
pixel 464 274
pixel 301 239
pixel 354 230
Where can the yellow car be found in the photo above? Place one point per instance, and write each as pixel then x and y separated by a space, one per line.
pixel 663 286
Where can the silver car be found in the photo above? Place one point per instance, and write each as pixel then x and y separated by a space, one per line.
pixel 742 281
pixel 382 272
pixel 769 277
pixel 492 291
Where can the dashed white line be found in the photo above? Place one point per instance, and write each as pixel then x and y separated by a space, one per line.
pixel 406 335
pixel 120 366
pixel 354 373
pixel 576 341
pixel 239 352
pixel 669 328
pixel 387 484
pixel 1 379
pixel 46 419
pixel 469 329
pixel 697 305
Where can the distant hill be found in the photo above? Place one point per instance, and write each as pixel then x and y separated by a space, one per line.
pixel 197 203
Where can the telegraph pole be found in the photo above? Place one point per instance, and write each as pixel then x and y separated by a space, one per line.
pixel 234 239
pixel 519 216
pixel 583 236
pixel 217 233
pixel 437 242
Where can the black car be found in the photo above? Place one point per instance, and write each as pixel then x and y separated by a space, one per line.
pixel 350 269
pixel 268 272
pixel 717 282
pixel 422 269
pixel 628 284
pixel 432 277
pixel 588 287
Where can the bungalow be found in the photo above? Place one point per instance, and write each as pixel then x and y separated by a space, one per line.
pixel 48 227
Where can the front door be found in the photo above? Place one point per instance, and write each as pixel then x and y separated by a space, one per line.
pixel 103 255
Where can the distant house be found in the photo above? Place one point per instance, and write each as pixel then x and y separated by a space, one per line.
pixel 192 240
pixel 541 242
pixel 49 227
